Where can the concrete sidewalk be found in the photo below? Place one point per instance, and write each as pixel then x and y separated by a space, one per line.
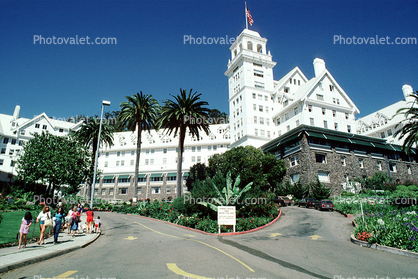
pixel 12 258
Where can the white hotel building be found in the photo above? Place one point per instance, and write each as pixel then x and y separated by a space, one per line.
pixel 261 109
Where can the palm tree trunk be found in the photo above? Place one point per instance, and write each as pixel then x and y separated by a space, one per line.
pixel 138 153
pixel 180 160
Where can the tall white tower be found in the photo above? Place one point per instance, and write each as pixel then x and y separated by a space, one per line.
pixel 250 77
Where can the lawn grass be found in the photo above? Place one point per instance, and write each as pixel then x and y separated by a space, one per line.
pixel 10 226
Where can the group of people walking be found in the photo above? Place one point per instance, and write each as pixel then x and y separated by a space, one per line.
pixel 72 220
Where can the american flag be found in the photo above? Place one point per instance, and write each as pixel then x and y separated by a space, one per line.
pixel 249 17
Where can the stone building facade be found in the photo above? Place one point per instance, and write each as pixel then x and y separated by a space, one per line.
pixel 338 157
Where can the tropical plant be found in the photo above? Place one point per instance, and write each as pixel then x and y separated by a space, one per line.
pixel 185 113
pixel 88 135
pixel 139 113
pixel 408 128
pixel 229 195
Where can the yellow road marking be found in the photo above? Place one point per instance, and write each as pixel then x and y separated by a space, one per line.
pixel 173 267
pixel 189 235
pixel 131 238
pixel 252 270
pixel 64 275
pixel 232 257
pixel 159 232
pixel 275 234
pixel 315 237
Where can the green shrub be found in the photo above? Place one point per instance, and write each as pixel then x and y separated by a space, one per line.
pixel 207 225
pixel 347 194
pixel 401 188
pixel 412 188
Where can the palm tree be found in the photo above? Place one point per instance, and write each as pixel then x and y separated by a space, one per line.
pixel 139 113
pixel 185 112
pixel 88 135
pixel 408 128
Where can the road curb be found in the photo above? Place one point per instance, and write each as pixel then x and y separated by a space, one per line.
pixel 217 234
pixel 47 256
pixel 383 248
pixel 346 215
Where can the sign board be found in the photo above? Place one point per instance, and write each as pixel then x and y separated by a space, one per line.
pixel 226 215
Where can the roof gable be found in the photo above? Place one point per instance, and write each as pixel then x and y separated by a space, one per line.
pixel 318 84
pixel 285 80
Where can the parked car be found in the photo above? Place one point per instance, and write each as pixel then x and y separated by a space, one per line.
pixel 307 202
pixel 284 200
pixel 325 205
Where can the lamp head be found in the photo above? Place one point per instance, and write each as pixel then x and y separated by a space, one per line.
pixel 106 103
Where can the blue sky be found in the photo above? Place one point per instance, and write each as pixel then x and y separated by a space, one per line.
pixel 68 80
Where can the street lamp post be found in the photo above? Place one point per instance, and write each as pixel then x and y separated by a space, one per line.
pixel 104 103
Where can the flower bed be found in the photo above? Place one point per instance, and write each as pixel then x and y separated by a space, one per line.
pixel 394 228
pixel 262 215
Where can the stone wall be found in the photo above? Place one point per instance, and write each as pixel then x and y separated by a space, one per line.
pixel 308 168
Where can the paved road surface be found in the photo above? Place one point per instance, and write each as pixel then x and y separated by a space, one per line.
pixel 304 243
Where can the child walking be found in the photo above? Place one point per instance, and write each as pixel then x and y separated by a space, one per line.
pixel 24 228
pixel 97 224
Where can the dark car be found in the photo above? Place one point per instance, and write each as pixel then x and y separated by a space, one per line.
pixel 283 200
pixel 307 202
pixel 325 205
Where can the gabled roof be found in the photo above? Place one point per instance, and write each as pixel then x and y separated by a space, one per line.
pixel 389 112
pixel 28 121
pixel 304 91
pixel 280 83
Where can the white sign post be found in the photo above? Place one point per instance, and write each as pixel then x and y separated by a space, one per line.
pixel 226 216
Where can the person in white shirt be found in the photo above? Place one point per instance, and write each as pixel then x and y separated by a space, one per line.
pixel 42 217
pixel 69 219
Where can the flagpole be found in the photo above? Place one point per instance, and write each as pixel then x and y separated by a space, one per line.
pixel 246 21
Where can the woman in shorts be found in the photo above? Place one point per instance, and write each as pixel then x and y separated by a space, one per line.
pixel 42 217
pixel 90 220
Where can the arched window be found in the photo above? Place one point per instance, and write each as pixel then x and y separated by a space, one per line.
pixel 259 48
pixel 235 53
pixel 240 47
pixel 249 46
